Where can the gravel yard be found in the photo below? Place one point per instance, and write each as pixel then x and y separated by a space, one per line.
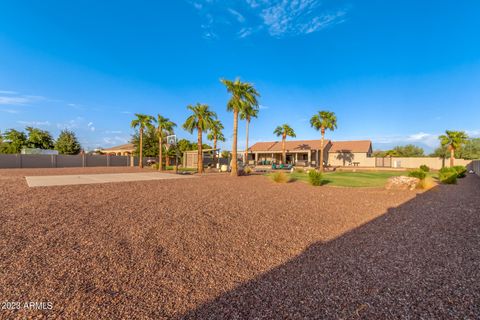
pixel 218 247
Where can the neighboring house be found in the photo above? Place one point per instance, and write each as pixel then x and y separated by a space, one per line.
pixel 122 150
pixel 307 152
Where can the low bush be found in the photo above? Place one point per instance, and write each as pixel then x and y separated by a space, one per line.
pixel 420 174
pixel 315 178
pixel 247 170
pixel 424 168
pixel 448 175
pixel 299 170
pixel 280 177
pixel 461 171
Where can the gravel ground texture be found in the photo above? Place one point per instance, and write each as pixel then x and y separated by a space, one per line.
pixel 218 247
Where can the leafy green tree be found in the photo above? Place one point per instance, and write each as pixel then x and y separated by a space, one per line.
pixel 471 149
pixel 454 140
pixel 13 141
pixel 67 143
pixel 284 131
pixel 243 95
pixel 409 150
pixel 142 121
pixel 164 128
pixel 150 142
pixel 247 113
pixel 215 134
pixel 40 139
pixel 323 120
pixel 201 120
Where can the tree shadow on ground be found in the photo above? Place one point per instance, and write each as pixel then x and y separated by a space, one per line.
pixel 418 260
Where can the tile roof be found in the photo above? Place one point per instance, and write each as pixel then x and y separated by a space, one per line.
pixel 127 147
pixel 289 145
pixel 351 146
pixel 337 146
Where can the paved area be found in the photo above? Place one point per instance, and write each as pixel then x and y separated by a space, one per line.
pixel 66 180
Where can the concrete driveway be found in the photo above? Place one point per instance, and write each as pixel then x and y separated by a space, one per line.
pixel 65 180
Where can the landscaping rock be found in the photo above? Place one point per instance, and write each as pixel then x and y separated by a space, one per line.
pixel 402 183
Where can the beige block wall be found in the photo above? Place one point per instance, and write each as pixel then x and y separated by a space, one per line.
pixel 433 163
pixel 335 159
pixel 476 166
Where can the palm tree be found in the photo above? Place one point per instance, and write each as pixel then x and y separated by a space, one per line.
pixel 142 121
pixel 284 131
pixel 201 120
pixel 322 121
pixel 247 113
pixel 243 96
pixel 454 141
pixel 215 134
pixel 164 128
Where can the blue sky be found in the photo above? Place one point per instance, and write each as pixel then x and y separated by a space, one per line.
pixel 395 72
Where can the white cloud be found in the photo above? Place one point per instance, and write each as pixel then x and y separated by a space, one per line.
pixel 11 111
pixel 115 140
pixel 90 126
pixel 8 92
pixel 35 123
pixel 113 131
pixel 277 17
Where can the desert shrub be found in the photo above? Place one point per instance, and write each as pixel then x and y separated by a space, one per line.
pixel 448 175
pixel 424 168
pixel 247 170
pixel 299 170
pixel 420 174
pixel 461 171
pixel 315 178
pixel 280 177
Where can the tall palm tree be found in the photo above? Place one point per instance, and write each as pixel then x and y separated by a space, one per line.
pixel 215 134
pixel 247 113
pixel 323 120
pixel 243 96
pixel 164 128
pixel 454 141
pixel 142 121
pixel 284 131
pixel 201 120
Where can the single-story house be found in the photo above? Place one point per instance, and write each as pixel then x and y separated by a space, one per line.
pixel 122 150
pixel 307 152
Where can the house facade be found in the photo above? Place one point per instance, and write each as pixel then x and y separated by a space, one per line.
pixel 307 153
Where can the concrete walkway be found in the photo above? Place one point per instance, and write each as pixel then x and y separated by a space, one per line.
pixel 65 180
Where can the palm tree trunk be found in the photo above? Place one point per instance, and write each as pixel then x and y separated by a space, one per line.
pixel 321 150
pixel 215 150
pixel 246 144
pixel 452 157
pixel 140 162
pixel 234 144
pixel 167 161
pixel 160 153
pixel 199 153
pixel 284 151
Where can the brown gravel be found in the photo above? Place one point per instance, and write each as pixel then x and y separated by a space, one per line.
pixel 238 248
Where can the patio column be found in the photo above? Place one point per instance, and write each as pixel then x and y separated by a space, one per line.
pixel 296 157
pixel 309 157
pixel 318 158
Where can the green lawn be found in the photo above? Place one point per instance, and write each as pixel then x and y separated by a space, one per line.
pixel 353 179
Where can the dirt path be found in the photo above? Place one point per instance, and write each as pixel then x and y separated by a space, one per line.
pixel 219 247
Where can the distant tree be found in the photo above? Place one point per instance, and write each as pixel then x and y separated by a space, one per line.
pixel 225 154
pixel 440 152
pixel 40 139
pixel 247 113
pixel 67 143
pixel 13 141
pixel 454 140
pixel 379 154
pixel 243 95
pixel 164 128
pixel 409 150
pixel 215 134
pixel 150 142
pixel 323 120
pixel 142 121
pixel 201 120
pixel 284 131
pixel 471 149
pixel 184 145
